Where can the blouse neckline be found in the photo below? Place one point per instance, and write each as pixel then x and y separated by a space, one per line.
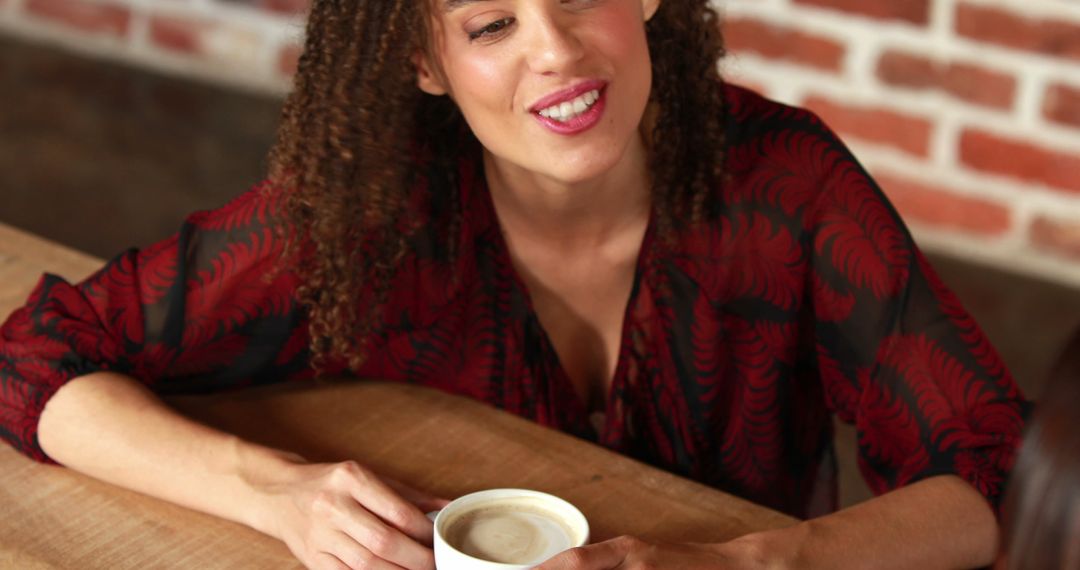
pixel 476 198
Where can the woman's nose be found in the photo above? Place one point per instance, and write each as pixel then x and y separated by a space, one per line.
pixel 554 46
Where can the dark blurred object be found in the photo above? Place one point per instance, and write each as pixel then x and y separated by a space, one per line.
pixel 1067 368
pixel 102 156
pixel 1027 319
pixel 1042 508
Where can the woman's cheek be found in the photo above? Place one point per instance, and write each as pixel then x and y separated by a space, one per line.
pixel 620 31
pixel 485 78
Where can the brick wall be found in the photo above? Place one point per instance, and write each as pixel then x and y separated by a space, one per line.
pixel 966 111
pixel 249 44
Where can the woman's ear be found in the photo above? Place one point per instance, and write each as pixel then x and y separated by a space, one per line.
pixel 427 78
pixel 650 7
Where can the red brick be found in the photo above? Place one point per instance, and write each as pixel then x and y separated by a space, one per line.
pixel 1062 104
pixel 1011 29
pixel 961 80
pixel 218 43
pixel 176 35
pixel 942 208
pixel 999 155
pixel 1056 236
pixel 94 17
pixel 286 6
pixel 777 42
pixel 288 59
pixel 914 11
pixel 875 124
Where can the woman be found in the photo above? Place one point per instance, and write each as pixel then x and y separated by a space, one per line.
pixel 556 207
pixel 1042 507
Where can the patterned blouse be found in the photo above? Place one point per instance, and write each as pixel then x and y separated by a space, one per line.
pixel 805 297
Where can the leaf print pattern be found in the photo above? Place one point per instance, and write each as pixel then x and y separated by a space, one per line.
pixel 861 232
pixel 749 256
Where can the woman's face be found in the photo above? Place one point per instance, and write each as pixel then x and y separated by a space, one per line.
pixel 555 87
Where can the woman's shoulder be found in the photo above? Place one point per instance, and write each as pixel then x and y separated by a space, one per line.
pixel 764 134
pixel 781 160
pixel 751 115
pixel 260 206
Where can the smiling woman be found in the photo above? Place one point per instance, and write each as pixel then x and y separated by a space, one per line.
pixel 556 207
pixel 496 72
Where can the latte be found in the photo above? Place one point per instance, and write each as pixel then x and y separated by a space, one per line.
pixel 513 531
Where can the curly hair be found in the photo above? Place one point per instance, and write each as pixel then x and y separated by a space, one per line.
pixel 355 130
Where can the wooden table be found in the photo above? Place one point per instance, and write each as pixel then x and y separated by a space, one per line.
pixel 51 517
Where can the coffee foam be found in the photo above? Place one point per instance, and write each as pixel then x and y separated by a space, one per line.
pixel 511 531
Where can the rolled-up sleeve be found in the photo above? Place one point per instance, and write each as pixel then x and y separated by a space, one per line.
pixel 900 357
pixel 213 307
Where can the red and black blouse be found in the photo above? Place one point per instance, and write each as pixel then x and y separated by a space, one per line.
pixel 805 297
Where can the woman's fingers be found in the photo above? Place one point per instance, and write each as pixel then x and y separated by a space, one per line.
pixel 425 501
pixel 381 540
pixel 379 498
pixel 345 511
pixel 352 554
pixel 324 561
pixel 600 555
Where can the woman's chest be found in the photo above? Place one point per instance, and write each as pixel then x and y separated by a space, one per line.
pixel 582 314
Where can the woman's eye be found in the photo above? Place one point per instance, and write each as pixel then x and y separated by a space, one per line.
pixel 492 29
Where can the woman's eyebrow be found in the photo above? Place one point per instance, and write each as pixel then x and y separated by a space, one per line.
pixel 451 5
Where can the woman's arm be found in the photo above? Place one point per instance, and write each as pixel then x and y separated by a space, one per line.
pixel 941 522
pixel 210 308
pixel 113 428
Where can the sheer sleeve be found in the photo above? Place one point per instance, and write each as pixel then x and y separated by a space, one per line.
pixel 899 356
pixel 208 309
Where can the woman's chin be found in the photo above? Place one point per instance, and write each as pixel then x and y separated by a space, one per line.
pixel 583 165
pixel 581 171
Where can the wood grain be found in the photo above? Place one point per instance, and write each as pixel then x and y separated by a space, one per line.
pixel 24 257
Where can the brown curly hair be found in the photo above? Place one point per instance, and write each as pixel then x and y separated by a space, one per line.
pixel 357 135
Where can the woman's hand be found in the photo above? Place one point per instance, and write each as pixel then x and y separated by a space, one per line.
pixel 939 522
pixel 342 515
pixel 339 515
pixel 628 553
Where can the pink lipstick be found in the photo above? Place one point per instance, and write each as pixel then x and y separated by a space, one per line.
pixel 573 110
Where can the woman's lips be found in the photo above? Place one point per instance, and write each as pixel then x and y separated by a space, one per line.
pixel 567 94
pixel 576 122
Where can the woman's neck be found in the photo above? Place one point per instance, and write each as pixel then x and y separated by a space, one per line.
pixel 571 216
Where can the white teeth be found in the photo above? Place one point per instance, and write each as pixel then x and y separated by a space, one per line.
pixel 570 109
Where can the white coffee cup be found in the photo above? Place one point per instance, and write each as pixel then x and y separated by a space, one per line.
pixel 506 529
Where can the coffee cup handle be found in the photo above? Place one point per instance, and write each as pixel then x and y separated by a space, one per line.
pixel 433 514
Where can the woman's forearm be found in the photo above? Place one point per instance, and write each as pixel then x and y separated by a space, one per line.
pixel 113 428
pixel 940 522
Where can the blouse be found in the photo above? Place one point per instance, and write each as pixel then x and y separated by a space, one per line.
pixel 805 297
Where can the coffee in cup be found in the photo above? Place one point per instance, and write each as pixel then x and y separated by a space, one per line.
pixel 506 529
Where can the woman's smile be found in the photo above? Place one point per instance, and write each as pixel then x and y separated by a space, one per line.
pixel 573 110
